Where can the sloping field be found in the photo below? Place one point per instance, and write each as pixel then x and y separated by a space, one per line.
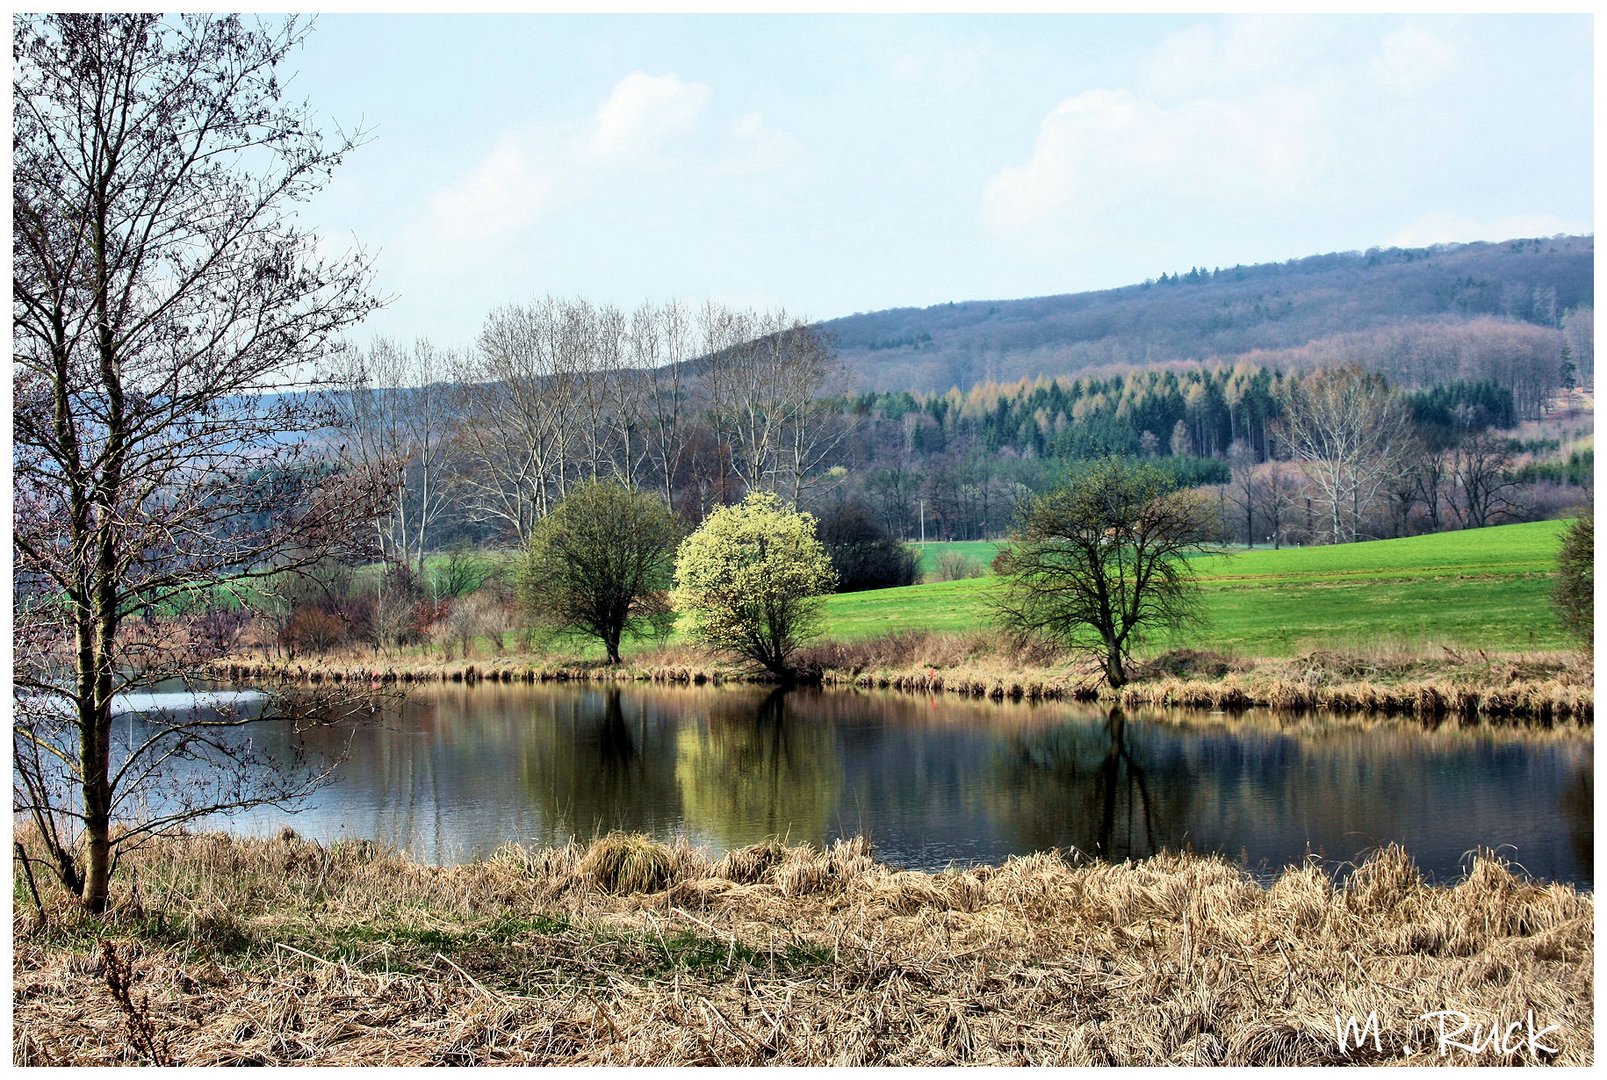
pixel 1486 588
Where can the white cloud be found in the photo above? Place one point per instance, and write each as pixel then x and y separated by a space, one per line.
pixel 1204 57
pixel 644 113
pixel 1411 59
pixel 757 146
pixel 1450 229
pixel 646 124
pixel 506 191
pixel 1109 149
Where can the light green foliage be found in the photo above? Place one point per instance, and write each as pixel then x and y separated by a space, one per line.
pixel 751 578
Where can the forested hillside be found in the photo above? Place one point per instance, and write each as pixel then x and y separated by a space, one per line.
pixel 1418 315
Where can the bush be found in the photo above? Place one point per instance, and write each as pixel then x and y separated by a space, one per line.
pixel 469 618
pixel 400 612
pixel 312 630
pixel 1576 580
pixel 956 566
pixel 863 552
pixel 750 580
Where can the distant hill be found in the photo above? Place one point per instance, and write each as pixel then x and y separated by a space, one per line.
pixel 1410 312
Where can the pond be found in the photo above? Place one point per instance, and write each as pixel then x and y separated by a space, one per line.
pixel 456 771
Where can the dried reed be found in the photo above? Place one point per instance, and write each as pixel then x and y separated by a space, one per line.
pixel 281 951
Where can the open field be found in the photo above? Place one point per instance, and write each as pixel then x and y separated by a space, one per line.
pixel 1481 588
pixel 239 951
pixel 981 552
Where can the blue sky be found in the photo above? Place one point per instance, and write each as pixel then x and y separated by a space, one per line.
pixel 833 164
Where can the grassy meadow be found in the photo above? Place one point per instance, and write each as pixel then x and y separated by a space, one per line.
pixel 1479 588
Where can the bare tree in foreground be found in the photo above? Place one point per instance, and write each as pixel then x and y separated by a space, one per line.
pixel 164 309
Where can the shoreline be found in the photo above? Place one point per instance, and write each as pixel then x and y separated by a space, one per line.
pixel 1506 688
pixel 626 951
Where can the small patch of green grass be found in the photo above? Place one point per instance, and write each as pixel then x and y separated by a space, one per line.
pixel 980 552
pixel 689 951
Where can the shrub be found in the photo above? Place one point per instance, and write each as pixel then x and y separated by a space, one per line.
pixel 957 566
pixel 312 629
pixel 1576 580
pixel 862 550
pixel 749 580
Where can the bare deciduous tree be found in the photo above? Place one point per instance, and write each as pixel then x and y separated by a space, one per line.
pixel 1278 492
pixel 1481 469
pixel 1346 427
pixel 393 415
pixel 165 307
pixel 516 396
pixel 660 344
pixel 766 377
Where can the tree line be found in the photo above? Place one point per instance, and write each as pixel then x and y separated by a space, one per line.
pixel 699 404
pixel 704 405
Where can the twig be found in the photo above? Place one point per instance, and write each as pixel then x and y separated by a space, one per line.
pixel 308 955
pixel 27 872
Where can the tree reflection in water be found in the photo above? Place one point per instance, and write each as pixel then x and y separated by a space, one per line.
pixel 590 768
pixel 748 773
pixel 1085 786
pixel 1578 803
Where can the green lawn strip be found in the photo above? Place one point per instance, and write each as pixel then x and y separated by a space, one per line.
pixel 1506 548
pixel 1486 588
pixel 497 951
pixel 1280 619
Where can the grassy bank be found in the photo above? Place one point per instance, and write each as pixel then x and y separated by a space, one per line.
pixel 1453 625
pixel 1430 682
pixel 1387 677
pixel 628 952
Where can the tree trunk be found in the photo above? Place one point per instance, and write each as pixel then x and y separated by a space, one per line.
pixel 1115 675
pixel 97 809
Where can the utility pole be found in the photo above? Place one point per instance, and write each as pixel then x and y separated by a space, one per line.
pixel 923 520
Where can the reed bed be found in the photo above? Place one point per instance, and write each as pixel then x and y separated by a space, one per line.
pixel 1387 677
pixel 627 951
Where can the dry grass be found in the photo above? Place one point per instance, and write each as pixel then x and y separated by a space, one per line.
pixel 1431 681
pixel 279 951
pixel 1388 677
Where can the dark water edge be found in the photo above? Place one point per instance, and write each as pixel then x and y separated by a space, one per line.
pixel 456 772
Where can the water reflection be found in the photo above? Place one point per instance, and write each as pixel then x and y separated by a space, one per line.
pixel 751 772
pixel 591 763
pixel 457 771
pixel 1081 785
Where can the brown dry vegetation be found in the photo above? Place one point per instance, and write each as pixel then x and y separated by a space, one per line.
pixel 1389 678
pixel 1392 678
pixel 231 951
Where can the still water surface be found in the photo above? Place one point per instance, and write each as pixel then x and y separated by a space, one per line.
pixel 455 772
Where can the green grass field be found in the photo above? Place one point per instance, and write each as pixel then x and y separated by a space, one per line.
pixel 1482 588
pixel 980 552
